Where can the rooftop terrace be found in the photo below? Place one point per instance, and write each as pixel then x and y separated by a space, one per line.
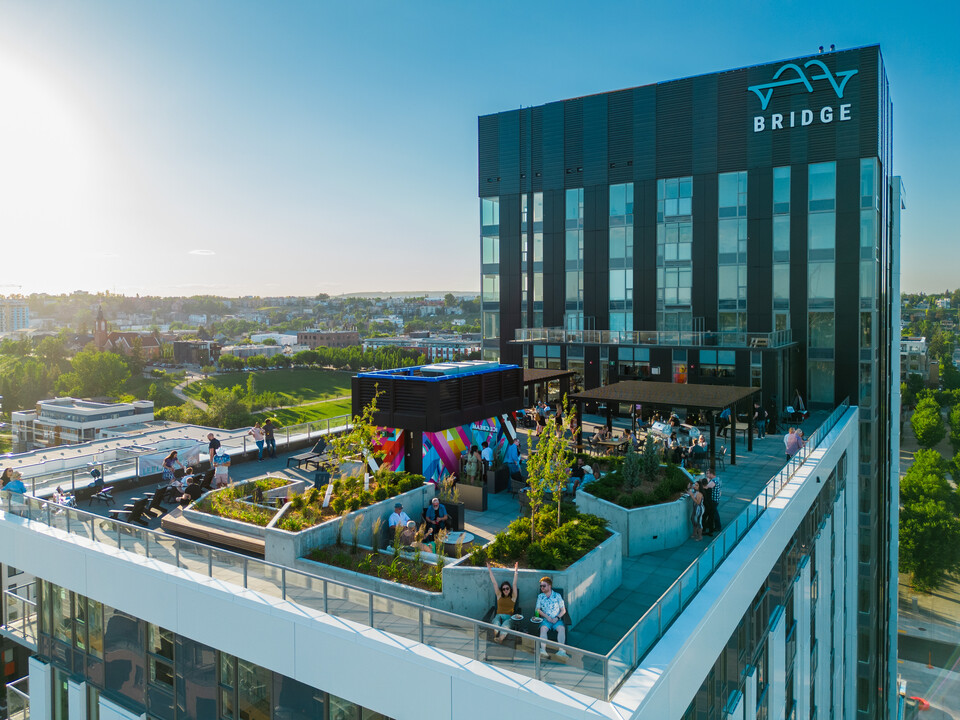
pixel 605 645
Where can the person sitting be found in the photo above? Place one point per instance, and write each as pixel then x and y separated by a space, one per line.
pixel 437 519
pixel 190 493
pixel 505 596
pixel 397 517
pixel 408 536
pixel 14 483
pixel 550 607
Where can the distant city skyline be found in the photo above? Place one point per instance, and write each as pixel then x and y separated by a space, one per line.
pixel 299 148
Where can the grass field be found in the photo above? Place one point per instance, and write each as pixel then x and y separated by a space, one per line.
pixel 300 385
pixel 139 385
pixel 308 413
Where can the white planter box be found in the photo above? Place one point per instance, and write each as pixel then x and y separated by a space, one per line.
pixel 643 529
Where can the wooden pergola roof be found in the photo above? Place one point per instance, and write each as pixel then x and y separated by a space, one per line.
pixel 539 375
pixel 667 394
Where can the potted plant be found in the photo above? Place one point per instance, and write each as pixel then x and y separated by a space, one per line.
pixel 498 477
pixel 449 495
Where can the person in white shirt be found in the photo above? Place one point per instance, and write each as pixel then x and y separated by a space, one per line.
pixel 398 517
pixel 487 454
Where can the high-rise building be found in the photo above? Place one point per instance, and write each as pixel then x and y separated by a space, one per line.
pixel 14 314
pixel 740 228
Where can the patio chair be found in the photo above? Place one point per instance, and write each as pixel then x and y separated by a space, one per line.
pixel 508 648
pixel 104 495
pixel 155 499
pixel 133 512
pixel 722 457
pixel 567 622
pixel 313 456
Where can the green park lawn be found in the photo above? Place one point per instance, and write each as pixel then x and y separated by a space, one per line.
pixel 308 413
pixel 296 386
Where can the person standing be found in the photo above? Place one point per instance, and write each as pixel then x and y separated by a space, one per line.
pixel 168 472
pixel 221 468
pixel 15 484
pixel 257 433
pixel 270 440
pixel 760 419
pixel 711 500
pixel 696 517
pixel 512 459
pixel 212 446
pixel 791 443
pixel 487 456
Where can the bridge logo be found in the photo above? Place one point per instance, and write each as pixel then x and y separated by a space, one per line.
pixel 837 81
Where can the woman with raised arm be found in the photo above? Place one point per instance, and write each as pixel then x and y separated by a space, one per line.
pixel 506 599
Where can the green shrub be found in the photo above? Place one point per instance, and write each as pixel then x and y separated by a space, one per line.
pixel 353 503
pixel 380 494
pixel 338 504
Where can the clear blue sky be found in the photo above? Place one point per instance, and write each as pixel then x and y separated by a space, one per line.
pixel 300 147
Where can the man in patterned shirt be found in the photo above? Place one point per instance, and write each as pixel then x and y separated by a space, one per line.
pixel 551 608
pixel 712 502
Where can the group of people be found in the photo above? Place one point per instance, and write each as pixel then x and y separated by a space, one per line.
pixel 13 481
pixel 549 608
pixel 436 518
pixel 264 436
pixel 793 442
pixel 705 496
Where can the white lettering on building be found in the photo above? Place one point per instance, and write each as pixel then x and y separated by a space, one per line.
pixel 805 117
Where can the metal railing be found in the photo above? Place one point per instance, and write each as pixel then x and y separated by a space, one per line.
pixel 44 483
pixel 585 672
pixel 627 654
pixel 20 613
pixel 693 338
pixel 18 699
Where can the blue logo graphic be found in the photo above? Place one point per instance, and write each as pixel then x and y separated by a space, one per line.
pixel 838 81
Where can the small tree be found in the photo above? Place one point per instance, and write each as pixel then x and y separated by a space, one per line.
pixel 359 440
pixel 927 423
pixel 633 465
pixel 549 468
pixel 650 463
pixel 929 542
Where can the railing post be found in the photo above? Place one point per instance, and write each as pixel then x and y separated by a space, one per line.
pixel 606 679
pixel 325 596
pixel 537 649
pixel 246 563
pixel 209 562
pixel 421 624
pixel 476 641
pixel 283 583
pixel 370 609
pixel 73 482
pixel 146 542
pixel 176 545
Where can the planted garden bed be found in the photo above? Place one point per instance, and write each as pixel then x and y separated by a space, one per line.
pixel 237 501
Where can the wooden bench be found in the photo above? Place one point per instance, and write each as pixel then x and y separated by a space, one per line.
pixel 175 522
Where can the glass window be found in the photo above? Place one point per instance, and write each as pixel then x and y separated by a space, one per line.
pixel 821 381
pixel 781 282
pixel 491 249
pixel 868 182
pixel 490 212
pixel 491 288
pixel 727 282
pixel 491 325
pixel 866 330
pixel 727 190
pixel 821 236
pixel 868 279
pixel 196 680
pixel 254 684
pixel 822 186
pixel 868 229
pixel 781 190
pixel 820 281
pixel 821 330
pixel 124 655
pixel 781 238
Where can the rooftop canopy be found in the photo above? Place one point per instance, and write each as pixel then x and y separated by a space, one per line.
pixel 709 398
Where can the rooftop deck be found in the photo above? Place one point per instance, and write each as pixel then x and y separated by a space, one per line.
pixel 603 660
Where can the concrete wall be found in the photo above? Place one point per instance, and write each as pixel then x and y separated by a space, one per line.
pixel 643 529
pixel 285 548
pixel 467 590
pixel 238 526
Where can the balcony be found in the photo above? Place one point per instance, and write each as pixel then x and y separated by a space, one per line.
pixel 655 338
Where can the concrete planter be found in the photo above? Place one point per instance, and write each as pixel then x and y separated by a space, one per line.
pixel 467 590
pixel 238 526
pixel 284 547
pixel 643 529
pixel 474 497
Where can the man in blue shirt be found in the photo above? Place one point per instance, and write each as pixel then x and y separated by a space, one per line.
pixel 437 518
pixel 512 459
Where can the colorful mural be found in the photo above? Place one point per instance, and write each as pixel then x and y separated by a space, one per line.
pixel 442 450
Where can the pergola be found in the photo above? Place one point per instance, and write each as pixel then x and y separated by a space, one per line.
pixel 665 396
pixel 541 376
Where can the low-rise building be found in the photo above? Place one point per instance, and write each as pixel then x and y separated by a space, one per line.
pixel 67 421
pixel 315 338
pixel 438 347
pixel 195 352
pixel 915 360
pixel 248 351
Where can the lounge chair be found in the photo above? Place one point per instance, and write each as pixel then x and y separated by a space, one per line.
pixel 155 499
pixel 309 457
pixel 132 513
pixel 104 494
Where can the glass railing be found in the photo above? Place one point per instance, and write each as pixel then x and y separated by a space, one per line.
pixel 582 671
pixel 20 613
pixel 44 483
pixel 591 674
pixel 641 638
pixel 684 338
pixel 18 699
